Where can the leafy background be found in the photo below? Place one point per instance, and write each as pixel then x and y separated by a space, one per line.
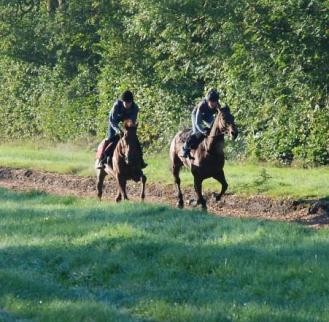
pixel 61 70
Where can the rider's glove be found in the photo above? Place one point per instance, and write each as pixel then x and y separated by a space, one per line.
pixel 120 133
pixel 206 131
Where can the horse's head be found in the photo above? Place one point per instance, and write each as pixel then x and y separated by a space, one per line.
pixel 225 122
pixel 130 143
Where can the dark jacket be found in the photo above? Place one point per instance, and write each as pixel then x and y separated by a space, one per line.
pixel 119 113
pixel 202 117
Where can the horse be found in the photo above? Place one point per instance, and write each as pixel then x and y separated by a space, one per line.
pixel 125 165
pixel 208 157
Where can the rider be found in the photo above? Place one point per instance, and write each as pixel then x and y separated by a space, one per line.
pixel 123 109
pixel 203 116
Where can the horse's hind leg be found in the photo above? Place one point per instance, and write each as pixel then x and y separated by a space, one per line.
pixel 198 189
pixel 143 178
pixel 221 178
pixel 176 166
pixel 101 174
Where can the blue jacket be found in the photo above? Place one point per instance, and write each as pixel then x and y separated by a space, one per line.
pixel 119 113
pixel 203 117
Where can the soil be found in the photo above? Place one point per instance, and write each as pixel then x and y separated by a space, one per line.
pixel 313 213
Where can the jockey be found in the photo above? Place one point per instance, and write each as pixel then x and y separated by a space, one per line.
pixel 123 109
pixel 203 116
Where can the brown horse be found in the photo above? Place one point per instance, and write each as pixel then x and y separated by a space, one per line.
pixel 208 156
pixel 126 164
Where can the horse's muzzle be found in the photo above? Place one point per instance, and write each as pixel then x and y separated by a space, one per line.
pixel 233 133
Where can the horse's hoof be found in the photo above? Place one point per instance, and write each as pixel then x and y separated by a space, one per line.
pixel 180 204
pixel 99 197
pixel 216 196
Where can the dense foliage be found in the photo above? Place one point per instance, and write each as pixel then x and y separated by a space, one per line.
pixel 61 70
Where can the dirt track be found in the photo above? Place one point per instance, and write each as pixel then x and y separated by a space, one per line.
pixel 310 212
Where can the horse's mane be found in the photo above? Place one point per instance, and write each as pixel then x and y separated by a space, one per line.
pixel 224 113
pixel 129 123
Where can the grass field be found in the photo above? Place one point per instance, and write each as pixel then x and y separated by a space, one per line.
pixel 243 178
pixel 68 259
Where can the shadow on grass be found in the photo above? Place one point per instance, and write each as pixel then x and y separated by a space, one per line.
pixel 148 262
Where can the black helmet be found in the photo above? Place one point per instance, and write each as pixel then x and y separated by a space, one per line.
pixel 213 95
pixel 127 96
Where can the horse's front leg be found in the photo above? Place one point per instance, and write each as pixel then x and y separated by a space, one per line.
pixel 221 178
pixel 121 182
pixel 143 179
pixel 198 189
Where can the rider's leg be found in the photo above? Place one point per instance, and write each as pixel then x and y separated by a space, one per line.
pixel 106 152
pixel 111 147
pixel 190 143
pixel 139 147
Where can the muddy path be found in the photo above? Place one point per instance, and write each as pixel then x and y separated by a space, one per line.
pixel 313 213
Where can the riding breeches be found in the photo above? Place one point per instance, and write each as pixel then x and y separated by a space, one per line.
pixel 194 140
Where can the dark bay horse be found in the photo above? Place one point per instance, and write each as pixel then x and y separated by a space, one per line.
pixel 126 164
pixel 208 157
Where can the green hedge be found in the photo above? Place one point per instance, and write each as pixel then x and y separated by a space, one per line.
pixel 60 74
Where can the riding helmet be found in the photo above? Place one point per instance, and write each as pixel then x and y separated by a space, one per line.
pixel 127 96
pixel 213 95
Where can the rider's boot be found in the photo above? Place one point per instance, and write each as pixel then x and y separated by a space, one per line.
pixel 144 164
pixel 140 150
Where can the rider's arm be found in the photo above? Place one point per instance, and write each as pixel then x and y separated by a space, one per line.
pixel 114 118
pixel 199 121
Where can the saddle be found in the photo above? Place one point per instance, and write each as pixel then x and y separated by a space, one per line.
pixel 190 139
pixel 105 149
pixel 186 134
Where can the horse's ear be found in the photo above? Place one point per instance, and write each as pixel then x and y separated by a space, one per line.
pixel 226 107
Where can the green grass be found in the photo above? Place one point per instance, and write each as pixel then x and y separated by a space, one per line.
pixel 243 178
pixel 68 259
pixel 61 158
